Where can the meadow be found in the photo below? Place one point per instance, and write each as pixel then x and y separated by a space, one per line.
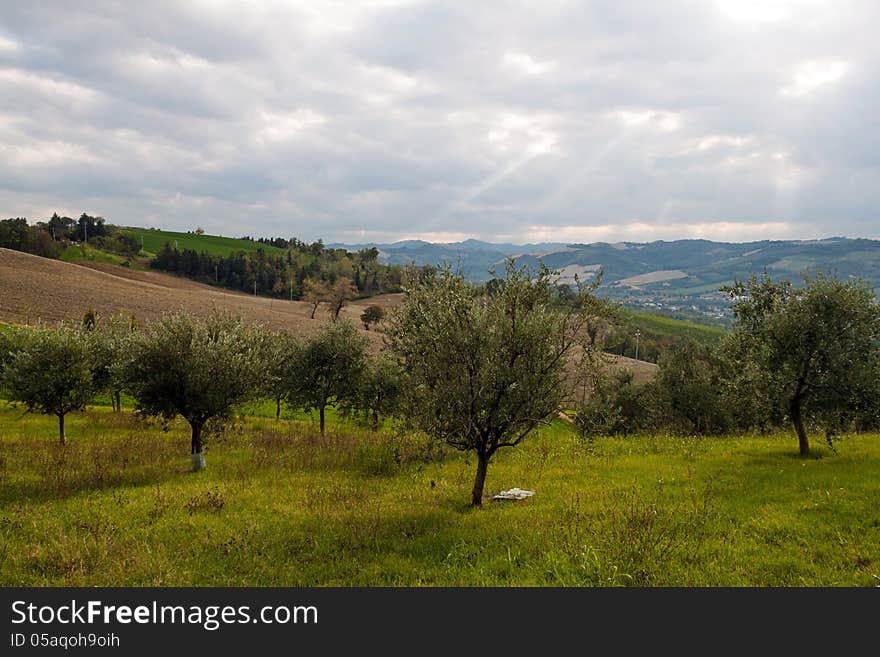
pixel 154 240
pixel 661 326
pixel 280 506
pixel 85 254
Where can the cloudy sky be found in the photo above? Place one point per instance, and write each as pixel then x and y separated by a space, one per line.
pixel 392 119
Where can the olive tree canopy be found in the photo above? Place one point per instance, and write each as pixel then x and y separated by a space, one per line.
pixel 485 370
pixel 48 370
pixel 328 369
pixel 813 348
pixel 198 368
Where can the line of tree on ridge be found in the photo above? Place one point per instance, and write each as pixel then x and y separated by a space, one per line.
pixel 49 238
pixel 288 275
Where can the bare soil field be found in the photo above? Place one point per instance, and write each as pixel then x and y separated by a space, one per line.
pixel 34 289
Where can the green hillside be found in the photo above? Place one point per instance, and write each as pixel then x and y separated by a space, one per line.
pixel 87 253
pixel 647 336
pixel 154 240
pixel 667 326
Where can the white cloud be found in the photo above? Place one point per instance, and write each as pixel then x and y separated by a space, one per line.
pixel 46 86
pixel 665 121
pixel 524 64
pixel 639 231
pixel 439 237
pixel 43 154
pixel 812 75
pixel 756 11
pixel 8 45
pixel 275 127
pixel 712 141
pixel 522 134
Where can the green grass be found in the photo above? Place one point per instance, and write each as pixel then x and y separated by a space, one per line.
pixel 84 252
pixel 154 240
pixel 660 326
pixel 279 505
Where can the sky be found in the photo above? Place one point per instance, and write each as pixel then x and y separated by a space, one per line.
pixel 384 120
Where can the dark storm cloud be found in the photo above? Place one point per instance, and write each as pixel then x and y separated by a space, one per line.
pixel 396 119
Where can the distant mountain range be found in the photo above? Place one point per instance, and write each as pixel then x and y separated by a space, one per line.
pixel 681 276
pixel 473 258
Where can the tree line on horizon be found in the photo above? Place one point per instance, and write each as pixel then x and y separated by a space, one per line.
pixel 49 238
pixel 479 369
pixel 288 275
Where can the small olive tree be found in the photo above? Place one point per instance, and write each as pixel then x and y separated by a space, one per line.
pixel 315 292
pixel 328 369
pixel 281 353
pixel 484 370
pixel 9 338
pixel 379 391
pixel 814 347
pixel 689 391
pixel 342 292
pixel 109 343
pixel 372 314
pixel 48 371
pixel 198 368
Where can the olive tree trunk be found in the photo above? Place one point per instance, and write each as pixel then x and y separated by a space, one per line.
pixel 798 421
pixel 197 449
pixel 321 413
pixel 479 480
pixel 61 429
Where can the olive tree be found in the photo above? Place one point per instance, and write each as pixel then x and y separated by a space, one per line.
pixel 815 346
pixel 373 314
pixel 48 371
pixel 198 368
pixel 379 391
pixel 328 369
pixel 484 370
pixel 689 392
pixel 9 337
pixel 343 290
pixel 281 352
pixel 315 292
pixel 109 342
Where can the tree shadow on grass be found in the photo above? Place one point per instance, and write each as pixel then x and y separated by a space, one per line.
pixel 780 455
pixel 34 470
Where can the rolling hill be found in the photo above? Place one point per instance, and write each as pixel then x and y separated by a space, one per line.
pixel 473 258
pixel 679 277
pixel 36 289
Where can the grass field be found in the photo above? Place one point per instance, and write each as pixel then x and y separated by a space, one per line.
pixel 154 240
pixel 280 506
pixel 659 326
pixel 83 253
